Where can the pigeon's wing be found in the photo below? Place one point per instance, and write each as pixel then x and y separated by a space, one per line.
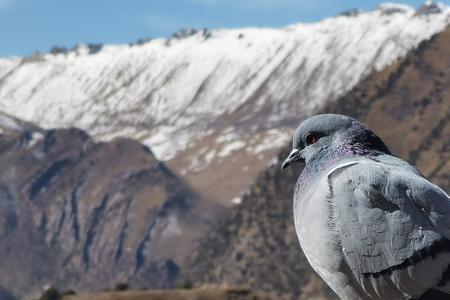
pixel 391 222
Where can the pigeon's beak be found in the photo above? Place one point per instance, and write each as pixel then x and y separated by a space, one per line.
pixel 294 156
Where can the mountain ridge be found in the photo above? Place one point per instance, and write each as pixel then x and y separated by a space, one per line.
pixel 213 100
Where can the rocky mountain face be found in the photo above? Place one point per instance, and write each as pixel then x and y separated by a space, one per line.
pixel 213 102
pixel 407 104
pixel 79 214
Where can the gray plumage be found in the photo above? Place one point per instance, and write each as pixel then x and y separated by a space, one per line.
pixel 368 222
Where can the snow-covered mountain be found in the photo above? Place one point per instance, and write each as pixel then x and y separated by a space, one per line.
pixel 224 100
pixel 9 124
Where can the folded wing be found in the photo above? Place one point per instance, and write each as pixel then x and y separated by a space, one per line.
pixel 394 228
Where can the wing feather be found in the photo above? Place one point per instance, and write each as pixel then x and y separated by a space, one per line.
pixel 391 222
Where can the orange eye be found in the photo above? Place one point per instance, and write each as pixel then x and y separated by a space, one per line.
pixel 311 138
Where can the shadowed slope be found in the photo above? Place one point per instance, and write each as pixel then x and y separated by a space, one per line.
pixel 83 215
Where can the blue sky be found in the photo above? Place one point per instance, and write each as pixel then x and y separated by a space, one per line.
pixel 27 26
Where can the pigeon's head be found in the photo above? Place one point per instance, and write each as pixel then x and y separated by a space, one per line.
pixel 321 136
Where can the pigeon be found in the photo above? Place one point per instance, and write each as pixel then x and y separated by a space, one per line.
pixel 370 224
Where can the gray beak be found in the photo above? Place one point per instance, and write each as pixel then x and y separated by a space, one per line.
pixel 294 156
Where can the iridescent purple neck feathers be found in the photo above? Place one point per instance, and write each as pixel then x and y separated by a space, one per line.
pixel 357 141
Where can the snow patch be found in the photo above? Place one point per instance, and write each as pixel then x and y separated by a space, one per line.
pixel 6 122
pixel 392 8
pixel 230 147
pixel 274 138
pixel 35 137
pixel 172 227
pixel 236 201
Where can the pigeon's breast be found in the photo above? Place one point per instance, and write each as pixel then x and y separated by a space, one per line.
pixel 314 224
pixel 317 237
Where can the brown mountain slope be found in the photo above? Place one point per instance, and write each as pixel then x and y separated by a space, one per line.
pixel 84 215
pixel 407 104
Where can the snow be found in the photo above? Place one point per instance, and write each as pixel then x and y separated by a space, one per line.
pixel 236 200
pixel 246 86
pixel 229 148
pixel 6 122
pixel 229 142
pixel 35 138
pixel 171 227
pixel 209 157
pixel 389 8
pixel 273 138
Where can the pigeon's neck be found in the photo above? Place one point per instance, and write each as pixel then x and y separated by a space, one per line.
pixel 315 168
pixel 359 142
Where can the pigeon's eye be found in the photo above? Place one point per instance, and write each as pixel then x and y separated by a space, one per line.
pixel 311 138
